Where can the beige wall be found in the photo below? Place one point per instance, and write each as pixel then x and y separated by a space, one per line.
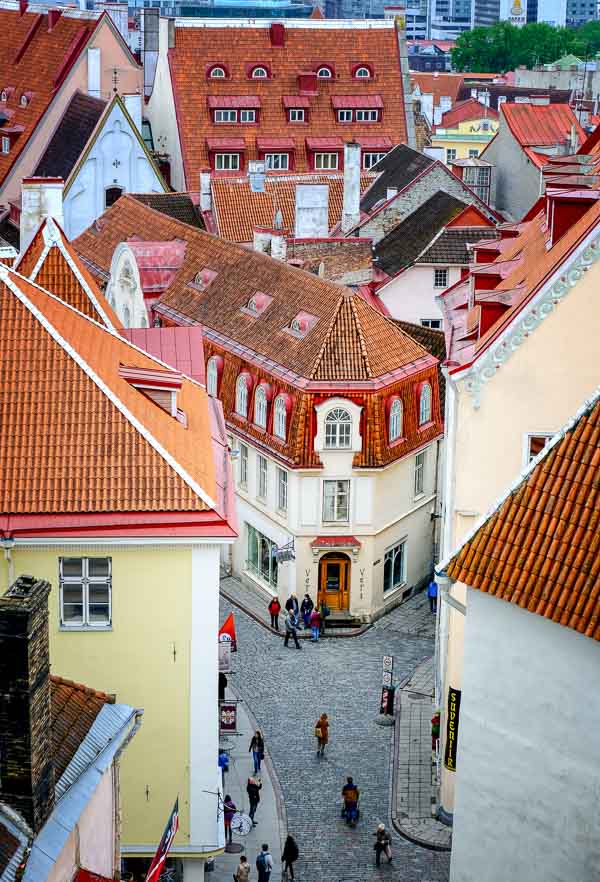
pixel 161 113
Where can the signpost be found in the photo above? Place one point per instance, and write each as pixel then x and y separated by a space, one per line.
pixel 386 704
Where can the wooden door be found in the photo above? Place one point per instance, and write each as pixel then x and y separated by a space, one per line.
pixel 335 581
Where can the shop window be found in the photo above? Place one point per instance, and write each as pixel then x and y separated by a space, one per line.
pixel 394 567
pixel 262 556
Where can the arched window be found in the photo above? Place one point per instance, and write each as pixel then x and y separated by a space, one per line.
pixel 126 317
pixel 280 418
pixel 241 396
pixel 259 73
pixel 23 101
pixel 3 95
pixel 111 195
pixel 338 428
pixel 217 73
pixel 362 73
pixel 425 404
pixel 260 407
pixel 212 377
pixel 324 73
pixel 395 420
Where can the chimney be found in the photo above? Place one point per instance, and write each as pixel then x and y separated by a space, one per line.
pixel 277 34
pixel 26 770
pixel 53 16
pixel 279 245
pixel 40 198
pixel 257 170
pixel 261 240
pixel 133 104
pixel 23 4
pixel 351 208
pixel 205 191
pixel 311 220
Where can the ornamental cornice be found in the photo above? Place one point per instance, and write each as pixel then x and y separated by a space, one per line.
pixel 531 318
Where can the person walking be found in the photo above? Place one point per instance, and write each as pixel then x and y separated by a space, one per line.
pixel 229 810
pixel 242 873
pixel 432 593
pixel 383 844
pixel 306 608
pixel 315 624
pixel 325 613
pixel 253 789
pixel 291 623
pixel 257 748
pixel 264 863
pixel 274 610
pixel 291 604
pixel 322 733
pixel 289 855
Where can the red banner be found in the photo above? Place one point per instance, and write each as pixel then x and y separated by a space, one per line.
pixel 158 864
pixel 227 632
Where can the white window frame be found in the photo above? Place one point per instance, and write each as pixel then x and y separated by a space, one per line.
pixel 391 554
pixel 435 324
pixel 218 76
pixel 419 474
pixel 440 277
pixel 241 397
pixel 260 73
pixel 395 420
pixel 5 144
pixel 260 407
pixel 85 580
pixel 280 418
pixel 425 404
pixel 282 490
pixel 227 161
pixel 297 114
pixel 243 475
pixel 473 153
pixel 248 115
pixel 341 492
pixel 372 157
pixel 325 161
pixel 450 150
pixel 362 76
pixel 527 456
pixel 333 437
pixel 262 477
pixel 367 116
pixel 212 376
pixel 226 116
pixel 325 73
pixel 344 116
pixel 277 161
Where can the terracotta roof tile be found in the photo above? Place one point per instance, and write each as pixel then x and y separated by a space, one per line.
pixel 74 708
pixel 541 125
pixel 540 547
pixel 463 111
pixel 443 85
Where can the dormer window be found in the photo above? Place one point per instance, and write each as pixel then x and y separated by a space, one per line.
pixel 325 72
pixel 242 389
pixel 260 407
pixel 280 416
pixel 338 429
pixel 160 386
pixel 203 278
pixel 24 100
pixel 395 420
pixel 5 144
pixel 301 324
pixel 259 73
pixel 425 404
pixel 362 73
pixel 257 303
pixel 214 367
pixel 4 95
pixel 217 72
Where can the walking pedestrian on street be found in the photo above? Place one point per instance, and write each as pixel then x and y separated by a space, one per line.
pixel 306 608
pixel 274 610
pixel 291 604
pixel 322 733
pixel 253 789
pixel 264 864
pixel 257 747
pixel 229 810
pixel 432 594
pixel 291 623
pixel 289 856
pixel 325 612
pixel 243 871
pixel 383 843
pixel 223 763
pixel 315 624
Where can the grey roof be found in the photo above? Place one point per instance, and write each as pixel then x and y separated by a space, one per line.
pixel 397 169
pixel 451 246
pixel 72 134
pixel 176 205
pixel 14 838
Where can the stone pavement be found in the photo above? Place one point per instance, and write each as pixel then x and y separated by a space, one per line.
pixel 286 690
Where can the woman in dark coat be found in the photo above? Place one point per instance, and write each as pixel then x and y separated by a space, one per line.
pixel 257 748
pixel 253 790
pixel 229 810
pixel 306 607
pixel 289 856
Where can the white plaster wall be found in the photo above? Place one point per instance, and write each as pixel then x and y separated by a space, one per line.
pixel 528 777
pixel 411 295
pixel 160 110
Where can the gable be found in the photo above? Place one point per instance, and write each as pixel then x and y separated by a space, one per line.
pixel 471 216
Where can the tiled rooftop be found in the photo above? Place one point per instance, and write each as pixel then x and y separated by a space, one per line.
pixel 74 708
pixel 541 125
pixel 179 206
pixel 463 111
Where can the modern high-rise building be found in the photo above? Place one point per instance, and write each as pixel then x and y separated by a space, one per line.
pixel 449 18
pixel 558 13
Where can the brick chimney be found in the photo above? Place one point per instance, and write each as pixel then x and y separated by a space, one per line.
pixel 26 769
pixel 40 198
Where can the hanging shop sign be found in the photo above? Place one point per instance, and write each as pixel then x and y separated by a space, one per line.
pixel 227 632
pixel 224 656
pixel 228 718
pixel 452 717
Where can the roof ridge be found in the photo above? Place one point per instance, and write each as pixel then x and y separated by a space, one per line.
pixel 361 335
pixel 81 687
pixel 327 336
pixel 393 323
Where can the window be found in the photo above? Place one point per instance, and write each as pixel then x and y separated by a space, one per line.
pixel 277 161
pixel 282 487
pixel 3 95
pixel 241 396
pixel 85 592
pixel 247 116
pixel 431 323
pixel 419 473
pixel 111 195
pixel 217 73
pixel 473 153
pixel 260 73
pixel 260 407
pixel 243 477
pixel 367 115
pixel 336 498
pixel 23 101
pixel 485 125
pixel 326 161
pixel 344 116
pixel 394 567
pixel 450 154
pixel 440 278
pixel 262 474
pixel 262 556
pixel 212 377
pixel 395 422
pixel 362 73
pixel 425 404
pixel 227 161
pixel 280 419
pixel 226 116
pixel 338 429
pixel 297 114
pixel 5 145
pixel 535 445
pixel 324 73
pixel 369 159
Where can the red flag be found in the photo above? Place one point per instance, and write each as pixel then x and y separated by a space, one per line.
pixel 158 863
pixel 227 632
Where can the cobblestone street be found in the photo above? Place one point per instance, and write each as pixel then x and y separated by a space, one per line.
pixel 286 690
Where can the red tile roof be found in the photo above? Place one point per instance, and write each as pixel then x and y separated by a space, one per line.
pixel 540 547
pixel 308 44
pixel 463 111
pixel 541 125
pixel 74 709
pixel 443 85
pixel 43 59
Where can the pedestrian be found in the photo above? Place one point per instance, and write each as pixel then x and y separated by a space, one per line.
pixel 222 685
pixel 289 856
pixel 264 864
pixel 229 810
pixel 291 623
pixel 383 843
pixel 274 610
pixel 432 593
pixel 325 613
pixel 223 762
pixel 315 624
pixel 243 871
pixel 257 748
pixel 291 604
pixel 253 789
pixel 435 730
pixel 306 608
pixel 322 733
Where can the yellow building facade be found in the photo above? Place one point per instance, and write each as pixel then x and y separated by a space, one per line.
pixel 465 140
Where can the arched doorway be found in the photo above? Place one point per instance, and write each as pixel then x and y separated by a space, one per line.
pixel 111 195
pixel 334 580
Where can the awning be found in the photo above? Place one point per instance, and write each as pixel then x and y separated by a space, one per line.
pixel 291 101
pixel 324 144
pixel 237 144
pixel 360 102
pixel 335 542
pixel 218 102
pixel 375 143
pixel 275 144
